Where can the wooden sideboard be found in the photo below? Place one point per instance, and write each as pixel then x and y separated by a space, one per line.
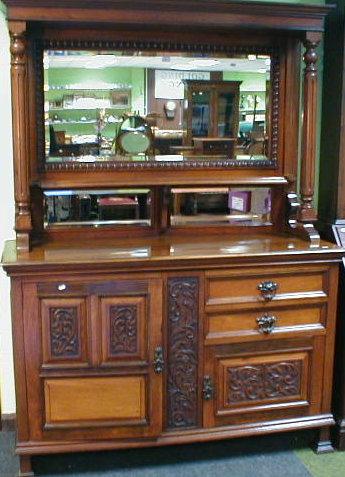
pixel 211 313
pixel 191 342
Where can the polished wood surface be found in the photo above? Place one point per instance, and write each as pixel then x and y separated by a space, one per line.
pixel 148 252
pixel 91 400
pixel 217 14
pixel 308 213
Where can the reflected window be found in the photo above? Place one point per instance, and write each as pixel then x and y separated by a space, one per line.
pixel 109 105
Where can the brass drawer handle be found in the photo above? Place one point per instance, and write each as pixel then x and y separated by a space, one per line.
pixel 268 289
pixel 266 323
pixel 158 360
pixel 207 390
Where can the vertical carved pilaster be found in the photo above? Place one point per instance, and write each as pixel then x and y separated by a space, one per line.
pixel 20 133
pixel 182 347
pixel 307 212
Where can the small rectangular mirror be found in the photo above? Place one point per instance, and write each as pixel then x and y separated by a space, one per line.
pixel 220 206
pixel 94 208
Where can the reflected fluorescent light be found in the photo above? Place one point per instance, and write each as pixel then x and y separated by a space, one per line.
pixel 182 66
pixel 251 57
pixel 204 63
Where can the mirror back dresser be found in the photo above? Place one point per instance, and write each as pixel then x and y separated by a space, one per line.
pixel 168 282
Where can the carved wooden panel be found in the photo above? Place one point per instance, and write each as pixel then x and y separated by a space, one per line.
pixel 124 328
pixel 182 352
pixel 257 381
pixel 64 331
pixel 263 381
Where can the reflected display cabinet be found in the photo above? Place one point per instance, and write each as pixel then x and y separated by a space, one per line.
pixel 168 282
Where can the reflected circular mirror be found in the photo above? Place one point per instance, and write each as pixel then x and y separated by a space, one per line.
pixel 134 142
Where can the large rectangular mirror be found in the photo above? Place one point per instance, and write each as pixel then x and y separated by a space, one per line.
pixel 157 106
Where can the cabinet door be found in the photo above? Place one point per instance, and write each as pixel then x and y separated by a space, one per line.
pixel 94 358
pixel 263 381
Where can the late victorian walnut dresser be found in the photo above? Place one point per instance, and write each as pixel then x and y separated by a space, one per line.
pixel 168 283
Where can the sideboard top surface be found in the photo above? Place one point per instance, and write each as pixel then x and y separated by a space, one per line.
pixel 166 251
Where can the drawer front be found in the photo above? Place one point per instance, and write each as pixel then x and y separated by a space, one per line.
pixel 258 325
pixel 265 285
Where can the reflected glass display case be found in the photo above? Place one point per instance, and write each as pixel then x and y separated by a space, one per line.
pixel 165 259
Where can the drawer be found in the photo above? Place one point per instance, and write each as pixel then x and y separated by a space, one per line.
pixel 265 285
pixel 258 325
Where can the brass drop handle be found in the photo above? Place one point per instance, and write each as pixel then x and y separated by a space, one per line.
pixel 266 323
pixel 207 390
pixel 268 289
pixel 158 360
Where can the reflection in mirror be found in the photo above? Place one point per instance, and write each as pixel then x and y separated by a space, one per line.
pixel 220 206
pixel 143 106
pixel 97 207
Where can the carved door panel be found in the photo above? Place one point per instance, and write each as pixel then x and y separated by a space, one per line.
pixel 263 381
pixel 95 361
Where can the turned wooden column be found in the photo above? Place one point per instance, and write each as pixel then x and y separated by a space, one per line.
pixel 310 88
pixel 20 133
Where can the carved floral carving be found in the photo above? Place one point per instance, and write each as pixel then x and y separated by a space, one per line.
pixel 182 372
pixel 64 332
pixel 263 381
pixel 123 329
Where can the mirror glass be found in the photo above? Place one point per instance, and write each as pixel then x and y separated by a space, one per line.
pixel 156 106
pixel 220 206
pixel 97 207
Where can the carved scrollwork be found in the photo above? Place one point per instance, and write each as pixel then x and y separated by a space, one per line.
pixel 64 332
pixel 123 329
pixel 182 378
pixel 263 381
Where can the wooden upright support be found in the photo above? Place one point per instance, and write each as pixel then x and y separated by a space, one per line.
pixel 20 121
pixel 307 211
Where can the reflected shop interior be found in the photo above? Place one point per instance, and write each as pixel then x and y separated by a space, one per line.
pixel 141 106
pixel 153 106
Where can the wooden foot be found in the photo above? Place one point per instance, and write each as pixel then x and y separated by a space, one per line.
pixel 339 435
pixel 324 444
pixel 25 467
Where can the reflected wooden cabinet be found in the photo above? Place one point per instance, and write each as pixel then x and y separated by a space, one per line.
pixel 212 111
